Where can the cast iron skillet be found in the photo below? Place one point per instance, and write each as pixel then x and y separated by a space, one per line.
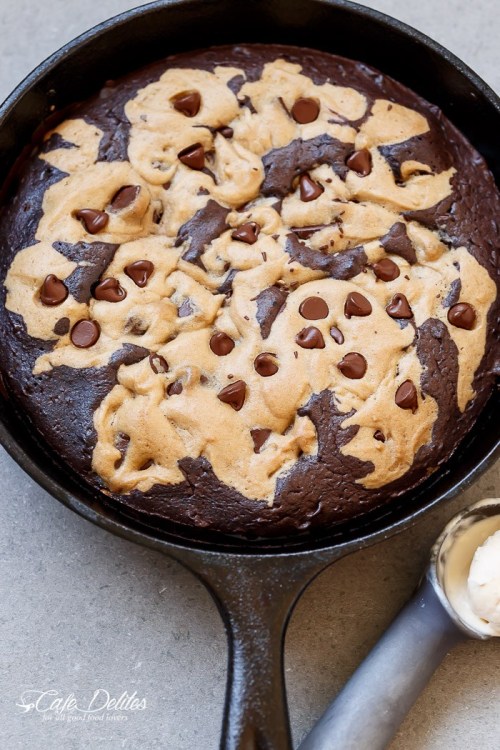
pixel 255 584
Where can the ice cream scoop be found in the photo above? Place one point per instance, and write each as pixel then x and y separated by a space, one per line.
pixel 459 597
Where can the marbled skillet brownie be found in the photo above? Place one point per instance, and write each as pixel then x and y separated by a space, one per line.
pixel 252 289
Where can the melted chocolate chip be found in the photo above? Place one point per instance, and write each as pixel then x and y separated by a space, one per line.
pixel 175 388
pixel 93 221
pixel 310 338
pixel 61 328
pixel 109 290
pixel 139 272
pixel 462 315
pixel 158 364
pixel 226 131
pixel 353 366
pixel 305 110
pixel 53 291
pixel 399 307
pixel 337 335
pixel 386 269
pixel 193 156
pixel 259 437
pixel 356 305
pixel 397 242
pixel 309 190
pixel 247 232
pixel 379 435
pixel 185 309
pixel 221 344
pixel 187 103
pixel 85 333
pixel 265 365
pixel 125 197
pixel 406 396
pixel 314 308
pixel 233 394
pixel 360 162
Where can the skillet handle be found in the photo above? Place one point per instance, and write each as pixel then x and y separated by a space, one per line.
pixel 255 597
pixel 370 708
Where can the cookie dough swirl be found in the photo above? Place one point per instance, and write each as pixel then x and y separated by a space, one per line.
pixel 261 243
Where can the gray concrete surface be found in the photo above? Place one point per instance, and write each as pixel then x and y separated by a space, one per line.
pixel 82 611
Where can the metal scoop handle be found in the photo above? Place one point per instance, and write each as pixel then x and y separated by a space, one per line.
pixel 370 708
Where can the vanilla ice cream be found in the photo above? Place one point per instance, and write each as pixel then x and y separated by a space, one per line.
pixel 484 582
pixel 468 567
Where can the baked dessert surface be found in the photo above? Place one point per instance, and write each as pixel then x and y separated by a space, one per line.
pixel 252 289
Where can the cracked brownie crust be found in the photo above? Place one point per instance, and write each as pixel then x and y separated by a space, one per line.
pixel 252 289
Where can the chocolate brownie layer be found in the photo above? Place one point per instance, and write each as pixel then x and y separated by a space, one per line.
pixel 252 289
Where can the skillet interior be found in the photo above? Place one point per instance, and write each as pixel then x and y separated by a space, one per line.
pixel 152 32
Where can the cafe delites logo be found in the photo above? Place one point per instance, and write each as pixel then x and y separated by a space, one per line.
pixel 99 705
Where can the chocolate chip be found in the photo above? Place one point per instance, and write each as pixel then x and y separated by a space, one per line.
pixel 61 328
pixel 310 338
pixel 221 344
pixel 247 232
pixel 53 291
pixel 462 315
pixel 187 103
pixel 406 396
pixel 265 365
pixel 109 290
pixel 399 307
pixel 337 335
pixel 309 190
pixel 314 308
pixel 353 366
pixel 125 197
pixel 305 110
pixel 146 465
pixel 158 364
pixel 357 305
pixel 360 162
pixel 193 156
pixel 185 309
pixel 379 435
pixel 226 131
pixel 175 388
pixel 233 394
pixel 386 269
pixel 85 333
pixel 259 437
pixel 93 221
pixel 139 272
